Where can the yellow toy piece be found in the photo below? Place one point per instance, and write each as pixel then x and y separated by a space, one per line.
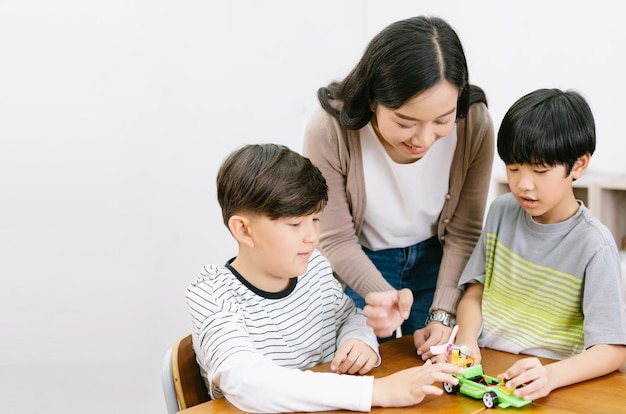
pixel 458 356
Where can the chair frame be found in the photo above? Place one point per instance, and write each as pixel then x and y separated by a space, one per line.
pixel 169 389
pixel 183 385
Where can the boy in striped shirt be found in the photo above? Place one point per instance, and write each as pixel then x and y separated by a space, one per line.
pixel 276 309
pixel 544 278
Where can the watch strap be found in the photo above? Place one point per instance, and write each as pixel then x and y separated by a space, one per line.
pixel 445 318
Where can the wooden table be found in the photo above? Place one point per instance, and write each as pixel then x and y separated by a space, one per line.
pixel 606 394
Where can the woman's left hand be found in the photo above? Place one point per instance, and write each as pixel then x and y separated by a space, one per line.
pixel 386 311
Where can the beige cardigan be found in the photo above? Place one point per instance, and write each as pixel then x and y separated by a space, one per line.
pixel 337 153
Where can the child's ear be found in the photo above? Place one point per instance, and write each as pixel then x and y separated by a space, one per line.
pixel 580 165
pixel 239 226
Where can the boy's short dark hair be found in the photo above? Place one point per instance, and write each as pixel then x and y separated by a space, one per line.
pixel 270 180
pixel 547 127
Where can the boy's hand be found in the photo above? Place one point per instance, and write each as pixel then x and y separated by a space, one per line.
pixel 433 334
pixel 531 375
pixel 386 311
pixel 411 385
pixel 352 357
pixel 473 350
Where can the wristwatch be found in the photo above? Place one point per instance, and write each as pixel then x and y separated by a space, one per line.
pixel 445 318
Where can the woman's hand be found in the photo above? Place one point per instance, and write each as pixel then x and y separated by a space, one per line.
pixel 434 333
pixel 386 311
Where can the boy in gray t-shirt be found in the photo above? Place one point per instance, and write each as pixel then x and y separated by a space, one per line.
pixel 544 278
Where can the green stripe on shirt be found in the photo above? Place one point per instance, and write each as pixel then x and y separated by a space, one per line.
pixel 541 303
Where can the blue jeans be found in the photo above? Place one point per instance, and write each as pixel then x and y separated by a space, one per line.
pixel 415 267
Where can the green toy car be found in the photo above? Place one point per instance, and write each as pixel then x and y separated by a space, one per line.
pixel 480 386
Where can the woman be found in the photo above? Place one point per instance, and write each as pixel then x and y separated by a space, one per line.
pixel 406 146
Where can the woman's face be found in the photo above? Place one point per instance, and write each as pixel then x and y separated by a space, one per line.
pixel 408 132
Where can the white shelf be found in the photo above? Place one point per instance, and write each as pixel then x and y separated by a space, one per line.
pixel 603 194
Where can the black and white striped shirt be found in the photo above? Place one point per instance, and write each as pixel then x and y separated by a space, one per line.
pixel 252 345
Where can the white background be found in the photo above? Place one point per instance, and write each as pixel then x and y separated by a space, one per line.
pixel 115 115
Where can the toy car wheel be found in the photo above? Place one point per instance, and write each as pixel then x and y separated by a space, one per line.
pixel 490 399
pixel 450 388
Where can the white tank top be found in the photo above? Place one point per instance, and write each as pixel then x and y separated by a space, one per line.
pixel 403 200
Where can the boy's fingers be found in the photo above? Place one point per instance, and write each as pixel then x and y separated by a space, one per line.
pixel 340 356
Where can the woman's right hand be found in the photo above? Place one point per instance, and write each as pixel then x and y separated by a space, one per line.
pixel 386 311
pixel 410 386
pixel 435 333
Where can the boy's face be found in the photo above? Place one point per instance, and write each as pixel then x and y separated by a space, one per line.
pixel 544 192
pixel 282 249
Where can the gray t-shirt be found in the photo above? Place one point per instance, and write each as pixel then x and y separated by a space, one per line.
pixel 550 290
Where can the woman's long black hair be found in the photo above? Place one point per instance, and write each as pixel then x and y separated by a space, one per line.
pixel 406 58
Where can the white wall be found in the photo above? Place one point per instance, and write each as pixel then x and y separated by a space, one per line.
pixel 114 117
